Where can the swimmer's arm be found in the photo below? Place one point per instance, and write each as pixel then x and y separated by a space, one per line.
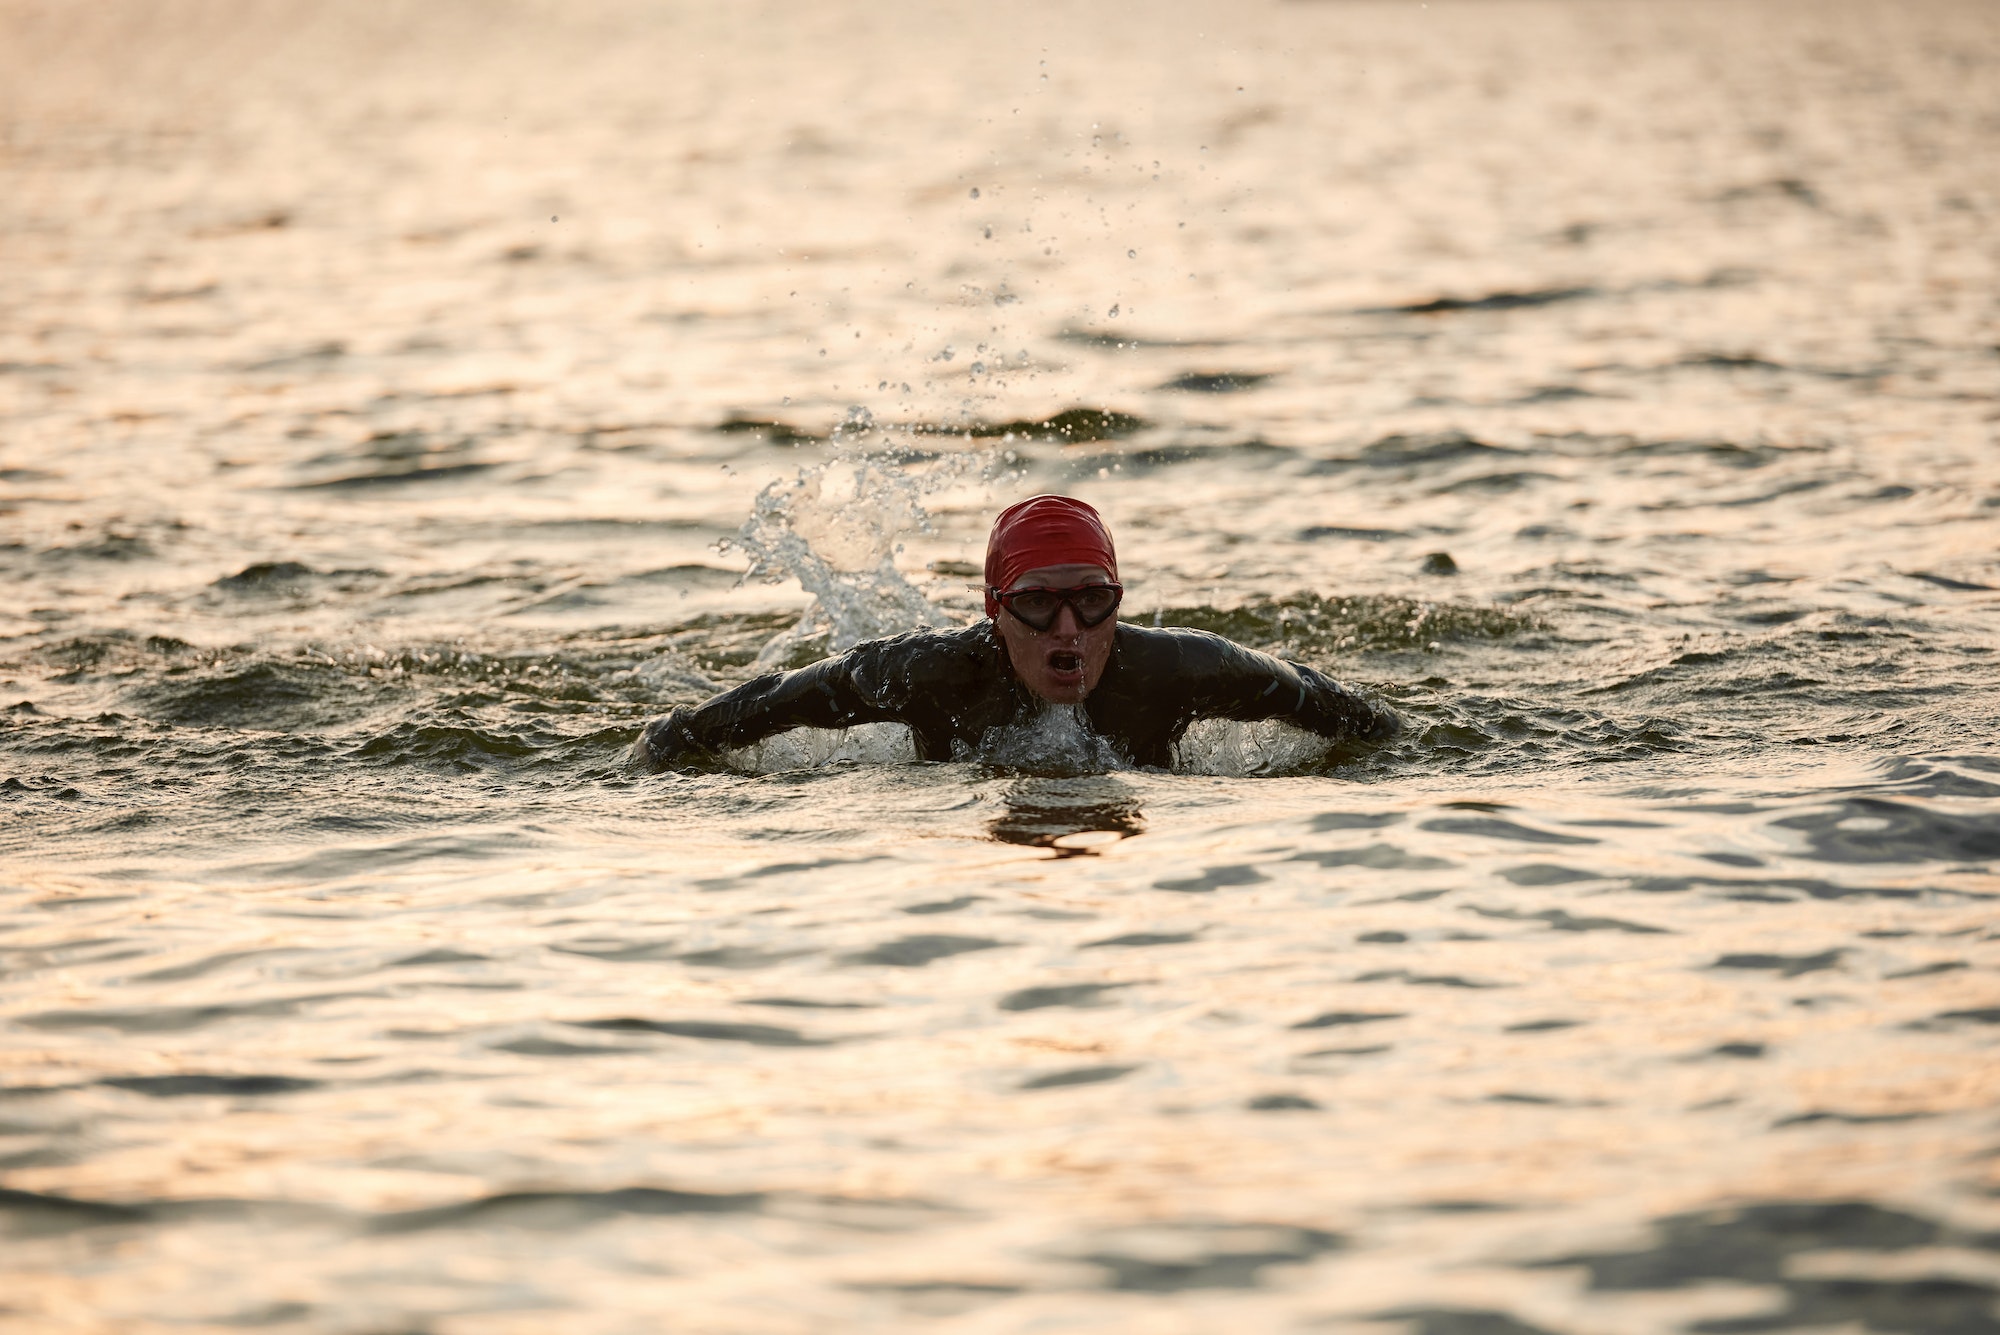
pixel 832 693
pixel 1249 686
pixel 1331 710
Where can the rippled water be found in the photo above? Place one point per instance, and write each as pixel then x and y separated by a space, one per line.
pixel 392 400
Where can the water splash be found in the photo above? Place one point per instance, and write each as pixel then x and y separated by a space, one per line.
pixel 816 748
pixel 1056 739
pixel 669 670
pixel 834 527
pixel 1229 749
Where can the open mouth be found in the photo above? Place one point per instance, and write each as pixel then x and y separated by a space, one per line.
pixel 1063 660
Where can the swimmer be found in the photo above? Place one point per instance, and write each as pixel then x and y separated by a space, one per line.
pixel 1051 637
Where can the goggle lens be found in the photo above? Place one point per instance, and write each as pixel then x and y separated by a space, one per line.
pixel 1039 608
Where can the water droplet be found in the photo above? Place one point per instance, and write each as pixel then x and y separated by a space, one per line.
pixel 979 368
pixel 1131 254
pixel 975 192
pixel 554 218
pixel 1113 312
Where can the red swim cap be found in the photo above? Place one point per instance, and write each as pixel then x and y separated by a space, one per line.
pixel 1044 531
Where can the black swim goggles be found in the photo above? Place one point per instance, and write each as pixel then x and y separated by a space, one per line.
pixel 1038 608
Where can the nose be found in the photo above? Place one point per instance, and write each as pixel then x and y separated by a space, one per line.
pixel 1066 623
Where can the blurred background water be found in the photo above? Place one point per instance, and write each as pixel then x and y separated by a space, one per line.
pixel 393 399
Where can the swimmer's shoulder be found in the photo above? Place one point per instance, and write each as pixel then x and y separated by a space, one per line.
pixel 958 655
pixel 1180 648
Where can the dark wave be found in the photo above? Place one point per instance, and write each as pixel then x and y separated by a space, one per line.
pixel 39 1214
pixel 1492 301
pixel 275 696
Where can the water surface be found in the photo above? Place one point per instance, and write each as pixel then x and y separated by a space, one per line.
pixel 392 403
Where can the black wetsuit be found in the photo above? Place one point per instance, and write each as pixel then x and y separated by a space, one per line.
pixel 951 687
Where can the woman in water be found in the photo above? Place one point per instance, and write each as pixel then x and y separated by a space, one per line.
pixel 1051 637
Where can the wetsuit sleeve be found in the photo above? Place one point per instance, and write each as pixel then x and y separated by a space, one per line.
pixel 1230 681
pixel 839 692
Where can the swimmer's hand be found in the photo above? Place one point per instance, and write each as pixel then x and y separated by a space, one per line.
pixel 668 743
pixel 1386 725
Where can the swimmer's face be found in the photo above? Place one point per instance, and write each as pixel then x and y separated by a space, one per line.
pixel 1063 663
